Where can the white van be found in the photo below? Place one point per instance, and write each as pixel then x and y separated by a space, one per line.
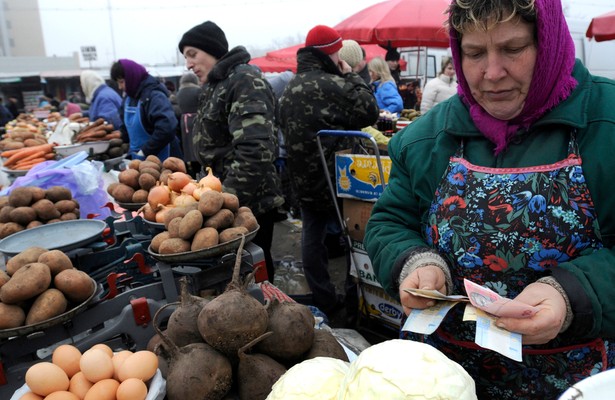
pixel 424 63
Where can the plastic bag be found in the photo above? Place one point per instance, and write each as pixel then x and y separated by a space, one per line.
pixel 82 177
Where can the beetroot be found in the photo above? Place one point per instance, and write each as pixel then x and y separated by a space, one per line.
pixel 233 318
pixel 256 373
pixel 182 328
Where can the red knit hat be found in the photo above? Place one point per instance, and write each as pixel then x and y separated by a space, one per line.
pixel 324 39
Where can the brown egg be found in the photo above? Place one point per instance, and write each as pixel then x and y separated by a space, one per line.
pixel 67 357
pixel 103 347
pixel 79 385
pixel 62 395
pixel 141 365
pixel 31 396
pixel 44 378
pixel 118 359
pixel 103 390
pixel 96 365
pixel 132 389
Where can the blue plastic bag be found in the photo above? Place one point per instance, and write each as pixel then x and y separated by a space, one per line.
pixel 82 177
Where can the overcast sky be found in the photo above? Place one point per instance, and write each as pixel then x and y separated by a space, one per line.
pixel 148 30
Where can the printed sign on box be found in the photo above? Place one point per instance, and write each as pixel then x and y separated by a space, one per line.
pixel 379 305
pixel 357 175
pixel 361 265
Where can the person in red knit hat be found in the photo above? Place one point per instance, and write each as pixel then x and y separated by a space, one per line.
pixel 324 94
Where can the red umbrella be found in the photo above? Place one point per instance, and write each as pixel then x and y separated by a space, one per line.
pixel 602 27
pixel 399 23
pixel 286 58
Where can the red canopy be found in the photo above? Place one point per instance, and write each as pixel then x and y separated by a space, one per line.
pixel 286 58
pixel 399 23
pixel 602 27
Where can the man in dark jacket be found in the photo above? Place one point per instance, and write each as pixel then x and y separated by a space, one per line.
pixel 234 130
pixel 148 121
pixel 324 94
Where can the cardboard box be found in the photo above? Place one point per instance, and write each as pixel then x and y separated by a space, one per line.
pixel 377 304
pixel 356 214
pixel 361 266
pixel 357 175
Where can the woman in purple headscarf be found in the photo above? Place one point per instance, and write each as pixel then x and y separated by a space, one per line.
pixel 148 120
pixel 509 184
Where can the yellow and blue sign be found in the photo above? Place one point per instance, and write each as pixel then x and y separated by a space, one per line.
pixel 357 175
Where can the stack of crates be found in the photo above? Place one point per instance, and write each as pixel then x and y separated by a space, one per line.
pixel 357 178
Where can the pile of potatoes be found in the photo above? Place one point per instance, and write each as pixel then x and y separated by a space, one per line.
pixel 135 181
pixel 215 219
pixel 97 374
pixel 40 284
pixel 30 206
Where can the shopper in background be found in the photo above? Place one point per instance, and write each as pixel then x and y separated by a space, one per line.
pixel 5 115
pixel 104 102
pixel 354 55
pixel 149 123
pixel 385 88
pixel 13 106
pixel 324 94
pixel 234 131
pixel 188 103
pixel 509 184
pixel 392 58
pixel 440 88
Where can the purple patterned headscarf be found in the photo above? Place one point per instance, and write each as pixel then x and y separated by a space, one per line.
pixel 552 81
pixel 134 73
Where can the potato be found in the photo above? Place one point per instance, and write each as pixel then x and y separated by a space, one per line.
pixel 174 227
pixel 45 209
pixel 140 196
pixel 171 246
pixel 174 164
pixel 68 216
pixel 247 220
pixel 134 164
pixel 211 202
pixel 23 215
pixel 123 193
pixel 4 277
pixel 159 238
pixel 29 255
pixel 148 164
pixel 56 260
pixel 5 213
pixel 190 224
pixel 221 220
pixel 11 316
pixel 64 206
pixel 57 193
pixel 147 181
pixel 204 238
pixel 232 233
pixel 177 212
pixel 4 201
pixel 112 186
pixel 129 177
pixel 243 209
pixel 27 282
pixel 76 285
pixel 34 224
pixel 230 201
pixel 37 193
pixel 20 197
pixel 164 176
pixel 9 228
pixel 48 304
pixel 152 172
pixel 154 159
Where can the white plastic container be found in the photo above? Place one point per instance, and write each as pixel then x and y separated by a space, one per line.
pixel 597 387
pixel 89 147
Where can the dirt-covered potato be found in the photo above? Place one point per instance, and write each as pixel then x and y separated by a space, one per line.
pixel 159 238
pixel 129 177
pixel 229 234
pixel 247 220
pixel 29 255
pixel 190 224
pixel 45 209
pixel 56 260
pixel 76 285
pixel 221 220
pixel 27 282
pixel 20 196
pixel 23 215
pixel 57 193
pixel 172 246
pixel 11 316
pixel 230 201
pixel 123 193
pixel 211 202
pixel 4 277
pixel 9 228
pixel 204 238
pixel 48 304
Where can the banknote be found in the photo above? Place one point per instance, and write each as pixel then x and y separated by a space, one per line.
pixel 489 336
pixel 491 302
pixel 426 321
pixel 434 294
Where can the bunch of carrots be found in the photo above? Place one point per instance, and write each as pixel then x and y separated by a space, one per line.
pixel 25 158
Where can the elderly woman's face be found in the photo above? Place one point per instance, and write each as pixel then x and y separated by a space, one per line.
pixel 200 62
pixel 498 66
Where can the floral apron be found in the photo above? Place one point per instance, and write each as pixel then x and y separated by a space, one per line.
pixel 504 228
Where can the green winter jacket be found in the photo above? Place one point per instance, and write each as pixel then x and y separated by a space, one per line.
pixel 234 131
pixel 420 155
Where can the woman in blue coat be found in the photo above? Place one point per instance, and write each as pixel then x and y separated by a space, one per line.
pixel 384 86
pixel 104 101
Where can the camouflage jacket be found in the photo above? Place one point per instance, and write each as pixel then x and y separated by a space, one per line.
pixel 234 131
pixel 320 97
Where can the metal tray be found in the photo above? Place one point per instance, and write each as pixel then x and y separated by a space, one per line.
pixel 130 206
pixel 156 226
pixel 98 147
pixel 66 316
pixel 14 172
pixel 64 235
pixel 209 252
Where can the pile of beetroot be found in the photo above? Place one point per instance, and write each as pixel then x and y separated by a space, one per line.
pixel 235 344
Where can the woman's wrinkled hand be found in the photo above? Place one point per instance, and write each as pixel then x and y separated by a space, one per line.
pixel 546 323
pixel 429 277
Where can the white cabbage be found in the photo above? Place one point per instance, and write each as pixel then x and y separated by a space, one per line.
pixel 317 378
pixel 404 369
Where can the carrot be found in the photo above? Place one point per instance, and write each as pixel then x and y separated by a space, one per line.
pixel 28 164
pixel 32 156
pixel 27 151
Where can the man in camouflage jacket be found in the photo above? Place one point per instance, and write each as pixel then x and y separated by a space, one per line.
pixel 324 94
pixel 234 130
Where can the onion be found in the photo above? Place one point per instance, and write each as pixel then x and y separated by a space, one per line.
pixel 211 181
pixel 158 195
pixel 162 211
pixel 189 188
pixel 183 200
pixel 199 190
pixel 177 181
